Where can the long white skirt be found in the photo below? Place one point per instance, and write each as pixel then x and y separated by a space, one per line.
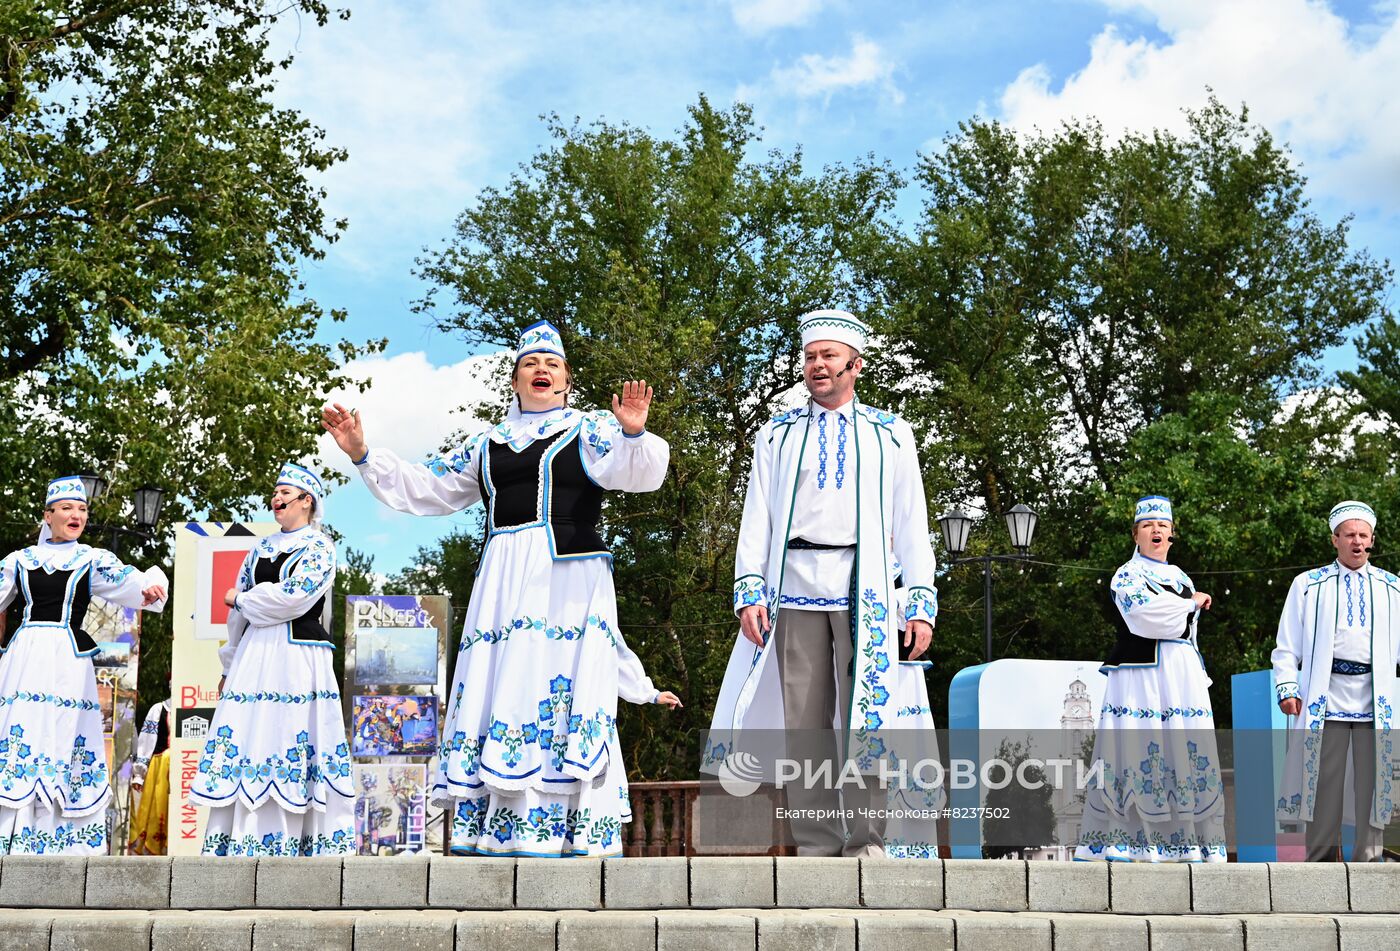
pixel 1161 798
pixel 530 763
pixel 275 770
pixel 54 786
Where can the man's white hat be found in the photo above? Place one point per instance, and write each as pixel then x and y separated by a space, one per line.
pixel 1350 509
pixel 835 325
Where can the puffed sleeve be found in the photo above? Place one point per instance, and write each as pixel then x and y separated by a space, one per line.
pixel 9 579
pixel 1289 647
pixel 122 584
pixel 312 575
pixel 440 486
pixel 633 684
pixel 621 462
pixel 1148 611
pixel 755 528
pixel 912 548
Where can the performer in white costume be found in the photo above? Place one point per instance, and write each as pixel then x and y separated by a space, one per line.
pixel 530 763
pixel 1334 671
pixel 275 770
pixel 1161 799
pixel 832 483
pixel 54 780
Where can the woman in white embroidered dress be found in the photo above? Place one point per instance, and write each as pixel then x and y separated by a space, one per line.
pixel 530 762
pixel 275 770
pixel 54 781
pixel 1160 799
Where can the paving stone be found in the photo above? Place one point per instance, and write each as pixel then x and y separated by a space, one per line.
pixel 1290 932
pixel 1188 933
pixel 805 882
pixel 318 932
pixel 1146 889
pixel 704 931
pixel 115 932
pixel 995 931
pixel 371 882
pixel 43 881
pixel 1374 886
pixel 213 882
pixel 456 882
pixel 1310 887
pixel 205 932
pixel 606 931
pixel 506 930
pixel 732 883
pixel 662 882
pixel 985 884
pixel 1067 886
pixel 901 883
pixel 1072 932
pixel 806 931
pixel 1369 932
pixel 128 881
pixel 24 932
pixel 397 931
pixel 552 884
pixel 901 931
pixel 298 883
pixel 1231 888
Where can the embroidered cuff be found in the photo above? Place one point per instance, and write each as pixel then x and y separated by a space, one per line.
pixel 1288 691
pixel 922 604
pixel 627 435
pixel 748 591
pixel 363 459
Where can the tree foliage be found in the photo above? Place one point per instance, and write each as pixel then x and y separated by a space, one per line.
pixel 154 208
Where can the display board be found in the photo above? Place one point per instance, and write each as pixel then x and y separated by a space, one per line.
pixel 117 633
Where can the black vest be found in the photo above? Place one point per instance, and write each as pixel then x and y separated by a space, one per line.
pixel 1134 651
pixel 45 599
pixel 307 627
pixel 544 484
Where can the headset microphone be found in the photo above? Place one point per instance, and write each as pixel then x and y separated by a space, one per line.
pixel 1369 550
pixel 849 364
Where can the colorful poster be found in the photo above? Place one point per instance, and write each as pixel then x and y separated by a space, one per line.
pixel 394 726
pixel 390 808
pixel 396 655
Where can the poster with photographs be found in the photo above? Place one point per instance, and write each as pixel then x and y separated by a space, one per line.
pixel 390 808
pixel 397 655
pixel 394 726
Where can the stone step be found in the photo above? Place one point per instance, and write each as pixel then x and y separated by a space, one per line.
pixel 652 884
pixel 685 930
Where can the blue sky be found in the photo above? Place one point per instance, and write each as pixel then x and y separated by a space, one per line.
pixel 436 100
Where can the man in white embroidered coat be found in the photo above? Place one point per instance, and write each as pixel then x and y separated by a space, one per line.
pixel 1334 671
pixel 832 483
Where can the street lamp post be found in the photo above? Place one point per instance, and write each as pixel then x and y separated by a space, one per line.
pixel 957 525
pixel 146 503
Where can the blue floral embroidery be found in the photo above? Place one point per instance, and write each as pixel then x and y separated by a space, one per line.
pixel 65 703
pixel 224 767
pixel 1147 713
pixel 540 829
pixel 66 837
pixel 748 590
pixel 554 632
pixel 270 696
pixel 921 604
pixel 84 775
pixel 340 842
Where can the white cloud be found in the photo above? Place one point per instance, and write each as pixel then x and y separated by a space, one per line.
pixel 815 75
pixel 760 16
pixel 1325 89
pixel 412 405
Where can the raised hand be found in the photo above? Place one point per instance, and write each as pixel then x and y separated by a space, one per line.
pixel 631 410
pixel 345 428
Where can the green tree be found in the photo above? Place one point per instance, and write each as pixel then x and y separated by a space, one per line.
pixel 688 262
pixel 154 208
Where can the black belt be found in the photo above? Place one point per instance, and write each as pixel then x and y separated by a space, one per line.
pixel 1350 667
pixel 801 544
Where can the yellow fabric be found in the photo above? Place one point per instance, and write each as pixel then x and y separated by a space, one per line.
pixel 148 831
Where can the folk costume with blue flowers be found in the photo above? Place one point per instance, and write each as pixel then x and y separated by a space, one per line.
pixel 54 774
pixel 530 763
pixel 835 497
pixel 1159 798
pixel 276 769
pixel 1338 648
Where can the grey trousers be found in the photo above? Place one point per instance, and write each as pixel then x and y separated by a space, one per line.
pixel 812 646
pixel 1324 833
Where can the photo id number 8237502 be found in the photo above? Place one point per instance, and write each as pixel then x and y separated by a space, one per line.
pixel 979 812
